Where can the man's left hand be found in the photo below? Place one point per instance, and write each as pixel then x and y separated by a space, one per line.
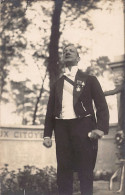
pixel 95 134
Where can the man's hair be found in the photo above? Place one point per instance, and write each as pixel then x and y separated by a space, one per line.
pixel 70 44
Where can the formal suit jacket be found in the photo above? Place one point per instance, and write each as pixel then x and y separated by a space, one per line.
pixel 86 90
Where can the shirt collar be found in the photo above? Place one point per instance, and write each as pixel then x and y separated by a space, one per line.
pixel 71 73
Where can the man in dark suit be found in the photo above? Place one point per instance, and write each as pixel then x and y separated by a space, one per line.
pixel 71 115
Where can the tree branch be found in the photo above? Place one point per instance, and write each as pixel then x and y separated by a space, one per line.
pixel 38 100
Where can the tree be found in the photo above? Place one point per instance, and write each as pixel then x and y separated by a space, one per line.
pixel 72 10
pixel 38 100
pixel 23 97
pixel 13 25
pixel 45 53
pixel 98 66
pixel 53 66
pixel 13 47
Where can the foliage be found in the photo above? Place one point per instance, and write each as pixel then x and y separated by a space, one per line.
pixel 24 98
pixel 98 66
pixel 71 11
pixel 18 20
pixel 120 142
pixel 13 25
pixel 102 174
pixel 35 181
pixel 14 45
pixel 32 180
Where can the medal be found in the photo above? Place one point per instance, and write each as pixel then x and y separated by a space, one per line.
pixel 78 88
pixel 79 85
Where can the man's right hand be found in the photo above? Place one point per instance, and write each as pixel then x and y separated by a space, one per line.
pixel 47 142
pixel 95 134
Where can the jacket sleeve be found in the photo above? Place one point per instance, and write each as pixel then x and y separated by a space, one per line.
pixel 102 112
pixel 49 119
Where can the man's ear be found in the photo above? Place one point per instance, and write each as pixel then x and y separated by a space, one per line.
pixel 62 59
pixel 78 59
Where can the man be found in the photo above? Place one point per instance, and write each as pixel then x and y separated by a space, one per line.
pixel 71 115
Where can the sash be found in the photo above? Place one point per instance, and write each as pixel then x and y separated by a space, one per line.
pixel 69 80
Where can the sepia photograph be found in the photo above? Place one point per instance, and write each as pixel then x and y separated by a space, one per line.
pixel 62 97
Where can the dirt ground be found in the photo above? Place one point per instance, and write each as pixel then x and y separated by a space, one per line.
pixel 102 188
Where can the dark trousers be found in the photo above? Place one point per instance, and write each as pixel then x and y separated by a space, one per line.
pixel 75 152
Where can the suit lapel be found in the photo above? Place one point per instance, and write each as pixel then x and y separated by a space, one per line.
pixel 80 82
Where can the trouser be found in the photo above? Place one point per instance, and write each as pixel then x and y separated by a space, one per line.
pixel 75 152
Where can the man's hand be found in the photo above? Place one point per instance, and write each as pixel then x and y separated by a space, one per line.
pixel 95 134
pixel 47 142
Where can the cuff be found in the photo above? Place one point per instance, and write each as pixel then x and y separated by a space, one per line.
pixel 46 137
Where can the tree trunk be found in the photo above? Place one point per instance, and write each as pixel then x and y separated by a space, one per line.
pixel 38 100
pixel 53 66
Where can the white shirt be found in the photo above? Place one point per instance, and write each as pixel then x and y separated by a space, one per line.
pixel 67 99
pixel 71 74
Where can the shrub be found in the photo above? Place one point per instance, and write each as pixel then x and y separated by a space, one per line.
pixel 34 181
pixel 29 181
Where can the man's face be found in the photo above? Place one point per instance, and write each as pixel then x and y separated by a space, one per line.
pixel 70 55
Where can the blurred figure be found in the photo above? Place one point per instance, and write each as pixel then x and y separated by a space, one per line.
pixel 120 91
